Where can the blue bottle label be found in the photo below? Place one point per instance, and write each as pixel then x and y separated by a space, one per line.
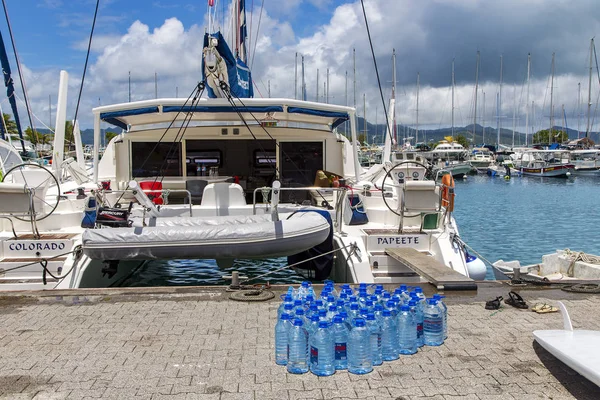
pixel 379 340
pixel 314 355
pixel 340 351
pixel 419 330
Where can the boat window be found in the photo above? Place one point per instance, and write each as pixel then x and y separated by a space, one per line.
pixel 300 162
pixel 264 159
pixel 152 159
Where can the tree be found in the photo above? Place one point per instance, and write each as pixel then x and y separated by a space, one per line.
pixel 69 137
pixel 544 136
pixel 461 139
pixel 109 135
pixel 33 136
pixel 11 126
pixel 362 138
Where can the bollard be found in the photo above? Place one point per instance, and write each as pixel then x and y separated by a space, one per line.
pixel 516 274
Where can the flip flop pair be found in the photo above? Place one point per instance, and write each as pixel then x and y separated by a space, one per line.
pixel 543 308
pixel 516 300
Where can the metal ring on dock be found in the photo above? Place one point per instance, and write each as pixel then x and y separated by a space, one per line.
pixel 252 295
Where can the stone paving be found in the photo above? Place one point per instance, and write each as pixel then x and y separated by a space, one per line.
pixel 199 345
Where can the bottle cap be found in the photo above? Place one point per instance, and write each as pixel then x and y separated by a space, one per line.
pixel 390 304
pixel 403 288
pixel 369 303
pixel 370 316
pixel 343 314
pixel 332 307
pixel 338 319
pixel 305 284
pixel 297 322
pixel 364 311
pixel 314 318
pixel 323 324
pixel 354 306
pixel 328 282
pixel 288 306
pixel 353 299
pixel 418 289
pixel 379 287
pixel 404 308
pixel 288 298
pixel 330 299
pixel 310 298
pixel 358 322
pixel 436 296
pixel 412 303
pixel 322 313
pixel 378 307
pixel 297 303
pixel 286 316
pixel 314 307
pixel 299 311
pixel 319 303
pixel 387 313
pixel 343 295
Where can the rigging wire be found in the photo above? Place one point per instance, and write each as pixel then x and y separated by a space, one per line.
pixel 12 40
pixel 87 57
pixel 376 69
pixel 257 31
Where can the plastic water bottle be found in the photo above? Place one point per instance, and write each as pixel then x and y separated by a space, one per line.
pixel 389 336
pixel 312 325
pixel 332 312
pixel 352 314
pixel 407 331
pixel 299 313
pixel 359 349
pixel 433 324
pixel 89 213
pixel 420 295
pixel 291 292
pixel 322 351
pixel 340 332
pixel 298 348
pixel 378 310
pixel 303 290
pixel 281 339
pixel 288 299
pixel 375 338
pixel 385 297
pixel 417 311
pixel 298 304
pixel 444 310
pixel 404 294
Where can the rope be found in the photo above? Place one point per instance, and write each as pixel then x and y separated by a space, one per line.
pixel 579 256
pixel 87 57
pixel 257 31
pixel 252 295
pixel 376 69
pixel 352 245
pixel 582 288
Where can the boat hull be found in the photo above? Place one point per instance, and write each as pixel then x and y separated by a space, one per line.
pixel 555 171
pixel 209 238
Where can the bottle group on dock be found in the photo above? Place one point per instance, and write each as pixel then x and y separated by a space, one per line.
pixel 354 329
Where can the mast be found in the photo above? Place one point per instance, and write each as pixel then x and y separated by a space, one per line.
pixel 365 117
pixel 499 123
pixel 303 81
pixel 527 99
pixel 578 110
pixel 317 100
pixel 327 92
pixel 296 77
pixel 476 90
pixel 393 110
pixel 417 130
pixel 483 119
pixel 514 114
pixel 551 101
pixel 587 129
pixel 453 98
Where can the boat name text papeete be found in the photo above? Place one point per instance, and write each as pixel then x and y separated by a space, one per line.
pixel 398 240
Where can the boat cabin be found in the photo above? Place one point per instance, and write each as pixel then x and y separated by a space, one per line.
pixel 251 143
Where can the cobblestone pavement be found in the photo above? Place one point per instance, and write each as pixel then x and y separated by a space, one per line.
pixel 186 346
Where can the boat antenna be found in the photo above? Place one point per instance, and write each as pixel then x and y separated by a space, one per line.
pixel 375 63
pixel 87 57
pixel 12 40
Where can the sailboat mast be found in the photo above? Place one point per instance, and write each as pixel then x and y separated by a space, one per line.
pixel 303 81
pixel 578 110
pixel 587 129
pixel 527 99
pixel 296 77
pixel 476 90
pixel 551 101
pixel 483 119
pixel 514 114
pixel 453 98
pixel 417 130
pixel 317 99
pixel 365 117
pixel 499 123
pixel 393 111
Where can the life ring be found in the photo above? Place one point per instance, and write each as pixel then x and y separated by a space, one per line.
pixel 448 192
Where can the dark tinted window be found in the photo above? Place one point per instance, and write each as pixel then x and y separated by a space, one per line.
pixel 151 159
pixel 300 162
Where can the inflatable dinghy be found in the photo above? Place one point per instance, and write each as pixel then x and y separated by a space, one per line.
pixel 254 236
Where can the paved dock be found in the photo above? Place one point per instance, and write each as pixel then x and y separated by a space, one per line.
pixel 195 343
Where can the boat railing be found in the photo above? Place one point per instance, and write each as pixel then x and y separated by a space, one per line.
pixel 165 193
pixel 339 204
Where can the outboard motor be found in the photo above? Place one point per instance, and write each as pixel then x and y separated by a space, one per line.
pixel 114 217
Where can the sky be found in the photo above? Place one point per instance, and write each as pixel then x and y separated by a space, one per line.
pixel 164 37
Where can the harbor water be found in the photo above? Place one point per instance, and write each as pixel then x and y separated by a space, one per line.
pixel 518 219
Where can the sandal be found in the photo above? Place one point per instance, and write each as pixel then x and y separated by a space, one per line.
pixel 493 304
pixel 516 300
pixel 544 308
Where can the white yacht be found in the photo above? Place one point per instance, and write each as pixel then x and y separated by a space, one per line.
pixel 481 159
pixel 586 162
pixel 452 157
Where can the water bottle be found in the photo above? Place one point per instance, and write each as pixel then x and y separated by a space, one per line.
pixel 404 294
pixel 89 213
pixel 433 324
pixel 444 310
pixel 312 325
pixel 417 311
pixel 385 297
pixel 288 299
pixel 291 292
pixel 308 300
pixel 303 290
pixel 298 304
pixel 312 310
pixel 298 348
pixel 281 339
pixel 378 310
pixel 375 338
pixel 359 349
pixel 352 314
pixel 407 331
pixel 322 351
pixel 340 332
pixel 340 306
pixel 389 336
pixel 330 284
pixel 332 312
pixel 378 292
pixel 420 295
